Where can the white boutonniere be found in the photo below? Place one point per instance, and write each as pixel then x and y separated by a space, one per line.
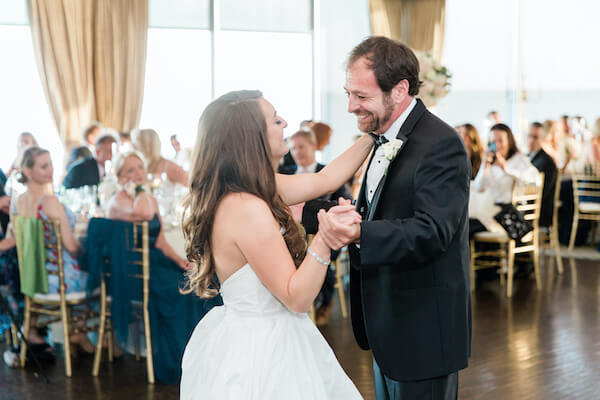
pixel 391 148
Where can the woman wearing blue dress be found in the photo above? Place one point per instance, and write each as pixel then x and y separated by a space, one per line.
pixel 173 316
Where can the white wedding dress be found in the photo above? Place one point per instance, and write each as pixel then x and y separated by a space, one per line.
pixel 253 347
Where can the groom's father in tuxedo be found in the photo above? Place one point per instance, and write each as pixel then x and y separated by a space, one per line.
pixel 409 280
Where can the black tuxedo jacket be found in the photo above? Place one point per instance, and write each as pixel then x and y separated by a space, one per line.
pixel 544 163
pixel 409 280
pixel 82 173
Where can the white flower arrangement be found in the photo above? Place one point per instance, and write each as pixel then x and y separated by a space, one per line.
pixel 107 188
pixel 435 78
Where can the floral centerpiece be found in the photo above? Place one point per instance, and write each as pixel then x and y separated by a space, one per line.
pixel 435 78
pixel 107 189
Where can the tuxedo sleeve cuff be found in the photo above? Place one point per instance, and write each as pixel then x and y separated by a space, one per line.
pixel 310 211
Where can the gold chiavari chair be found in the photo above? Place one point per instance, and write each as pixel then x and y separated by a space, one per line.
pixel 141 246
pixel 550 239
pixel 587 186
pixel 64 307
pixel 528 201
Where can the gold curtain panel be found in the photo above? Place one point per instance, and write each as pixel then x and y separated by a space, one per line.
pixel 91 58
pixel 418 23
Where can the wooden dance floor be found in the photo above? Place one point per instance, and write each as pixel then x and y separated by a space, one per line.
pixel 539 345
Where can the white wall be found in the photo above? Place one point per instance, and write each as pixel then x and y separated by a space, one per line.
pixel 561 61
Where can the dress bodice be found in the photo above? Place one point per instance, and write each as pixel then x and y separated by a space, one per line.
pixel 153 229
pixel 244 294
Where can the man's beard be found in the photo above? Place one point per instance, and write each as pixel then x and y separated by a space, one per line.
pixel 376 123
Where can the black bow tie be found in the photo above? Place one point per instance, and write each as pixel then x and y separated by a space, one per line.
pixel 379 139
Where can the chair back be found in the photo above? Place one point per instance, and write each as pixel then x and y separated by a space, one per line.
pixel 52 228
pixel 32 252
pixel 556 198
pixel 528 200
pixel 141 245
pixel 586 186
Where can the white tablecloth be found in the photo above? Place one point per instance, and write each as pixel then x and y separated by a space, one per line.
pixel 174 237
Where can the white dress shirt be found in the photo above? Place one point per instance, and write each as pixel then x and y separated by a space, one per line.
pixel 499 182
pixel 306 170
pixel 380 164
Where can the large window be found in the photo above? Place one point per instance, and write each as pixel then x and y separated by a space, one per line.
pixel 278 64
pixel 178 83
pixel 199 49
pixel 195 54
pixel 22 100
pixel 558 61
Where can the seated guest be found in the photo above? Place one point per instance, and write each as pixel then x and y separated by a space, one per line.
pixel 148 143
pixel 90 171
pixel 125 138
pixel 593 154
pixel 10 287
pixel 504 167
pixel 24 141
pixel 78 154
pixel 304 147
pixel 322 133
pixel 130 169
pixel 474 148
pixel 544 163
pixel 173 316
pixel 90 134
pixel 37 170
pixel 550 141
pixel 183 155
pixel 473 144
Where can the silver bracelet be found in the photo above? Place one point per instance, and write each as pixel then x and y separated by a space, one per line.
pixel 316 257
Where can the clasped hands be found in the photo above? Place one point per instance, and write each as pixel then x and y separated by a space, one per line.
pixel 340 225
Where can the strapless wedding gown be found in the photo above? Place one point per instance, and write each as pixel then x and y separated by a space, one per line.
pixel 253 347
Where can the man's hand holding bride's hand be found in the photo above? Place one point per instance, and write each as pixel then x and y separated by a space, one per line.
pixel 340 225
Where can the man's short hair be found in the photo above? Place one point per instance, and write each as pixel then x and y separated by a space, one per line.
pixel 391 61
pixel 89 128
pixel 105 138
pixel 308 135
pixel 540 126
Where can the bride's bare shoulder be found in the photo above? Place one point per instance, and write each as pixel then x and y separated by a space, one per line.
pixel 245 208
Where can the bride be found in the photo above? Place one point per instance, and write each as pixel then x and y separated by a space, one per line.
pixel 260 344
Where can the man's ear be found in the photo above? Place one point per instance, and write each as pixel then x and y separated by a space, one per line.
pixel 400 91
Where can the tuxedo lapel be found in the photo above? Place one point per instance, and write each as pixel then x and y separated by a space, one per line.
pixel 405 131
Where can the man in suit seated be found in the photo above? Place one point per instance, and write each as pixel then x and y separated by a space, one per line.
pixel 90 171
pixel 544 163
pixel 304 147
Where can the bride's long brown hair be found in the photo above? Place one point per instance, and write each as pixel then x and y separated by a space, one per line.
pixel 231 155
